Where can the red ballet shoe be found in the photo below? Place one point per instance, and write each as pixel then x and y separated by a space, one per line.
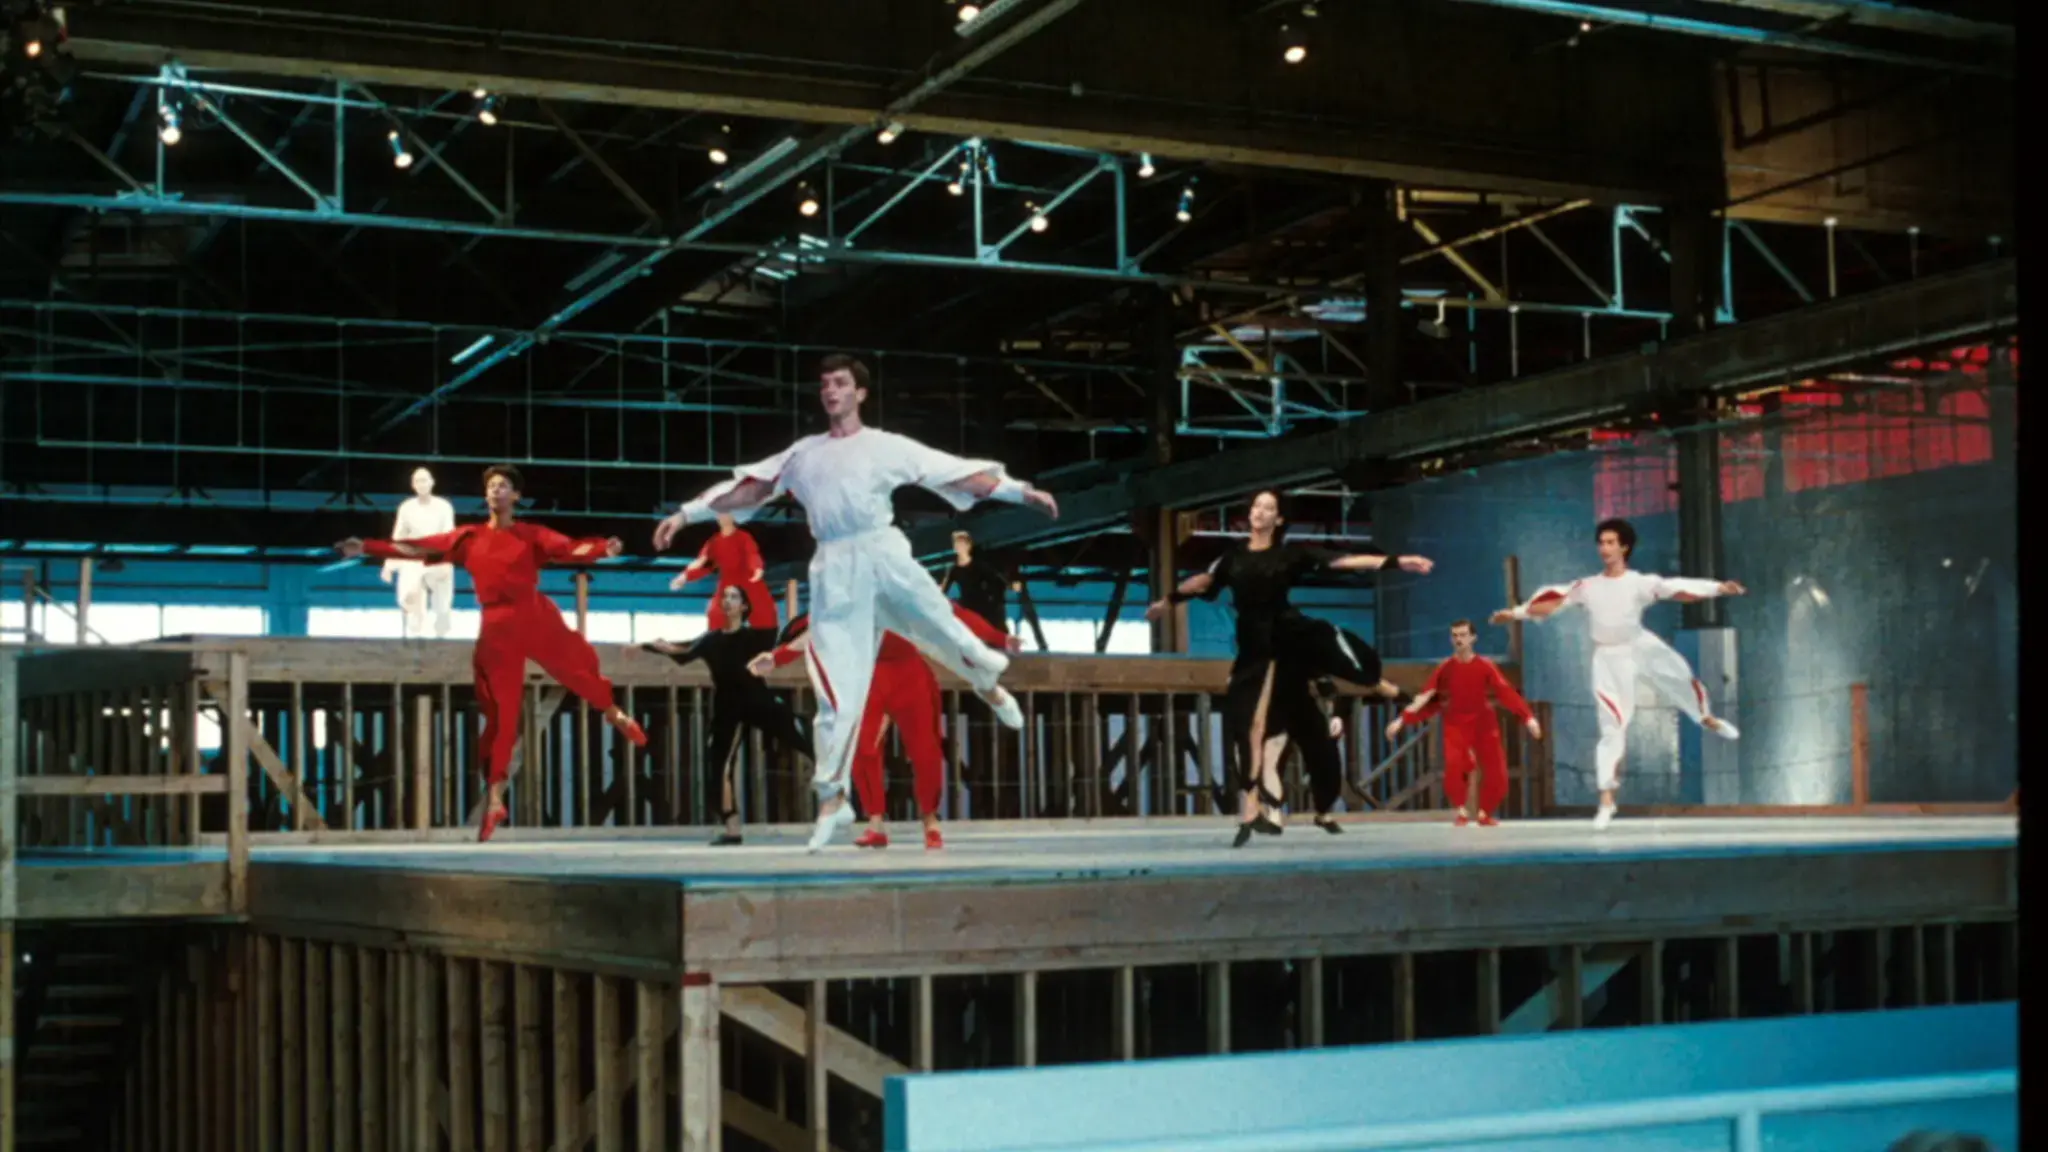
pixel 492 819
pixel 872 839
pixel 1461 821
pixel 932 840
pixel 1486 820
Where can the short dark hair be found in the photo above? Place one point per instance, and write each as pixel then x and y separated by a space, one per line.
pixel 1623 531
pixel 1465 624
pixel 841 362
pixel 509 472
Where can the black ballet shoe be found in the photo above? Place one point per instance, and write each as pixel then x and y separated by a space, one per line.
pixel 726 840
pixel 1264 825
pixel 1244 835
pixel 1329 825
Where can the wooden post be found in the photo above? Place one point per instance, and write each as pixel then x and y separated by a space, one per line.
pixel 349 1121
pixel 1859 745
pixel 1216 984
pixel 650 1091
pixel 10 725
pixel 297 751
pixel 1312 1002
pixel 84 599
pixel 604 1039
pixel 1652 983
pixel 1404 996
pixel 491 1013
pixel 815 1075
pixel 425 1039
pixel 568 1070
pixel 292 1055
pixel 698 1101
pixel 1513 567
pixel 1125 1000
pixel 1572 990
pixel 237 737
pixel 461 1054
pixel 921 1025
pixel 583 603
pixel 529 1092
pixel 422 761
pixel 1027 1019
pixel 1728 977
pixel 1489 991
pixel 318 1075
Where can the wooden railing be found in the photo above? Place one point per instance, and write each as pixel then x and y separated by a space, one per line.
pixel 341 736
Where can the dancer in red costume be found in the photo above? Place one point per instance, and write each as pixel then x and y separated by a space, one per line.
pixel 906 694
pixel 503 558
pixel 737 559
pixel 1458 689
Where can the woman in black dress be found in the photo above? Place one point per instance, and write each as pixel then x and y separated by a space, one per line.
pixel 739 700
pixel 1280 653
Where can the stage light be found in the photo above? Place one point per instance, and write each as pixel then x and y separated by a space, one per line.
pixel 955 188
pixel 1145 168
pixel 807 202
pixel 969 12
pixel 1186 211
pixel 486 108
pixel 1038 221
pixel 169 132
pixel 889 134
pixel 719 155
pixel 1293 44
pixel 400 158
pixel 479 92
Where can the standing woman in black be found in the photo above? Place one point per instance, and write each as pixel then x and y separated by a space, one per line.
pixel 1280 653
pixel 739 700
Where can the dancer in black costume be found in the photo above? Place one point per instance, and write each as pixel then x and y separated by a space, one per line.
pixel 739 700
pixel 1280 653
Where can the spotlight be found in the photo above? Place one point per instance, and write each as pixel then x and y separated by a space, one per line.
pixel 1186 211
pixel 959 183
pixel 400 158
pixel 479 92
pixel 889 134
pixel 969 12
pixel 807 202
pixel 1293 44
pixel 168 131
pixel 1145 168
pixel 1038 221
pixel 1585 25
pixel 34 47
pixel 718 153
pixel 486 109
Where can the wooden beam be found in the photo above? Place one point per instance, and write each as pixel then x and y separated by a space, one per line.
pixel 460 1042
pixel 493 1063
pixel 266 756
pixel 650 1039
pixel 121 786
pixel 786 1025
pixel 700 1121
pixel 817 1079
pixel 529 1094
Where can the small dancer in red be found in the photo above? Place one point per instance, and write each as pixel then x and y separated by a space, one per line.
pixel 503 558
pixel 1458 689
pixel 906 694
pixel 737 559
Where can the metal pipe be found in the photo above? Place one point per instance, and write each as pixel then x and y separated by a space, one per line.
pixel 354 454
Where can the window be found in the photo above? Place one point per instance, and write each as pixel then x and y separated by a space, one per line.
pixel 126 623
pixel 1078 636
pixel 214 620
pixel 675 626
pixel 603 627
pixel 1636 481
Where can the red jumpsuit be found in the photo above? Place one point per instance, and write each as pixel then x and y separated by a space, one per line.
pixel 1471 731
pixel 737 558
pixel 903 692
pixel 519 623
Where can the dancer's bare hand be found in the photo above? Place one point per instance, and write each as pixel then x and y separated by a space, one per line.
pixel 1043 500
pixel 1013 643
pixel 351 547
pixel 614 547
pixel 1535 729
pixel 663 647
pixel 1336 728
pixel 1417 564
pixel 665 532
pixel 681 581
pixel 1504 616
pixel 762 665
pixel 1158 609
pixel 1394 728
pixel 1731 588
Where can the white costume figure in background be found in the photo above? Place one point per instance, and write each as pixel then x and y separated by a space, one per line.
pixel 424 515
pixel 864 579
pixel 1623 651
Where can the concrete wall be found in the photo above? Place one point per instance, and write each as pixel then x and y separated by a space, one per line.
pixel 1906 584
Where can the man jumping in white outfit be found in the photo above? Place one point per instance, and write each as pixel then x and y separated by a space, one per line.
pixel 864 580
pixel 1622 650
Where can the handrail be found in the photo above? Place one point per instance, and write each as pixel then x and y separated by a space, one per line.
pixel 1742 1111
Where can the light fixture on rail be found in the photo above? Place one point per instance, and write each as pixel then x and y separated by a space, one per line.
pixel 1145 168
pixel 40 32
pixel 718 154
pixel 1039 222
pixel 486 108
pixel 1186 211
pixel 400 158
pixel 807 201
pixel 968 12
pixel 167 129
pixel 889 133
pixel 958 184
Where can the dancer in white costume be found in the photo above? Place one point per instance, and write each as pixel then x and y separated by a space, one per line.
pixel 864 580
pixel 418 583
pixel 1623 650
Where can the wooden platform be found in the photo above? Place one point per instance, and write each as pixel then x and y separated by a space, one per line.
pixel 1021 895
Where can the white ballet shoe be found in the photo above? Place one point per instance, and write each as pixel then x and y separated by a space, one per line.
pixel 1008 713
pixel 1722 728
pixel 1603 817
pixel 828 826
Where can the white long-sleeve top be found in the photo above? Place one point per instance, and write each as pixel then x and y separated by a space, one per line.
pixel 1614 604
pixel 416 518
pixel 845 482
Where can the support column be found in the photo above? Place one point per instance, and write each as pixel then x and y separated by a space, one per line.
pixel 1380 252
pixel 1168 634
pixel 10 725
pixel 1699 519
pixel 1696 242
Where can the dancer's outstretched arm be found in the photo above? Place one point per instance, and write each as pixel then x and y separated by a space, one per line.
pixel 680 653
pixel 1687 588
pixel 434 549
pixel 739 495
pixel 1364 563
pixel 559 549
pixel 1548 601
pixel 698 568
pixel 1199 586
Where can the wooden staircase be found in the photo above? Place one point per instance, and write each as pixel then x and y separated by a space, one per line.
pixel 76 1006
